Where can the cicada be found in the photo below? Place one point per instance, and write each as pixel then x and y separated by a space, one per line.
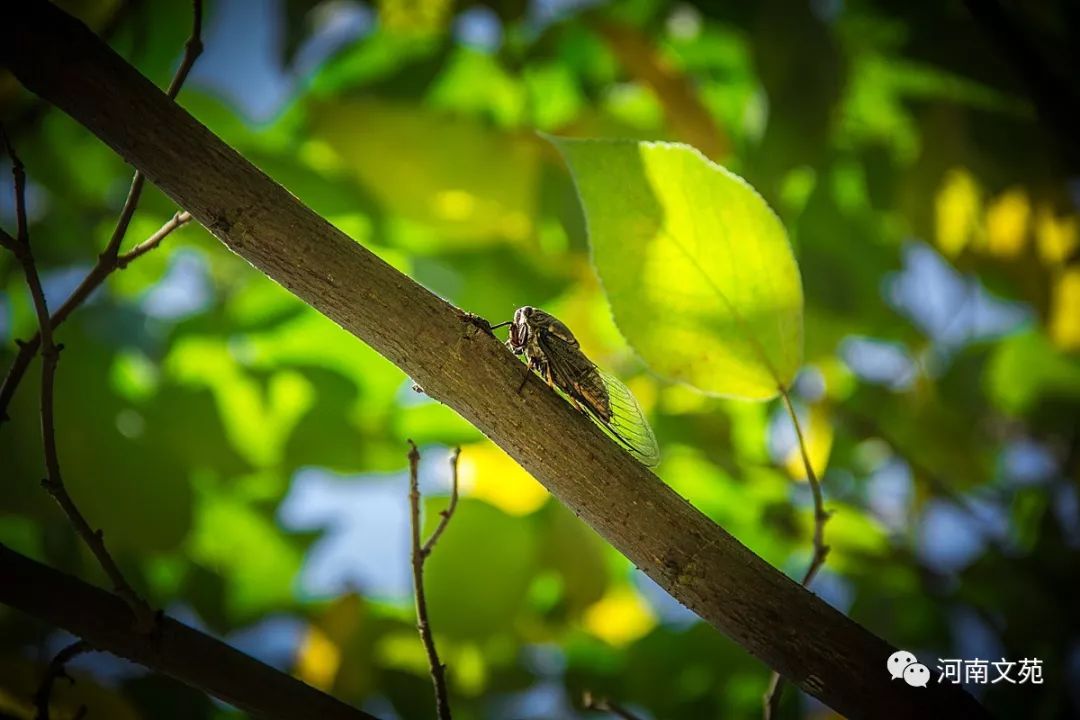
pixel 551 350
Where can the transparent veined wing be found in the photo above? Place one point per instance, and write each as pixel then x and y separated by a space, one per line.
pixel 627 424
pixel 604 397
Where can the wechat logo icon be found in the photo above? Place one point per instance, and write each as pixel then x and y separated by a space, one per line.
pixel 902 665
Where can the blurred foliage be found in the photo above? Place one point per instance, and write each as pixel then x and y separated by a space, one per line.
pixel 246 457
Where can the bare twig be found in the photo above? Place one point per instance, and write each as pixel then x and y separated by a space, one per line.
pixel 601 704
pixel 50 355
pixel 420 553
pixel 192 50
pixel 178 220
pixel 58 669
pixel 772 696
pixel 110 258
pixel 444 515
pixel 29 348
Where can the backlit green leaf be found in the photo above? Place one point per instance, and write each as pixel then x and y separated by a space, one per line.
pixel 697 268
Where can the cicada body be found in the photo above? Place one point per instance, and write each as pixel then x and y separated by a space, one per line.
pixel 552 351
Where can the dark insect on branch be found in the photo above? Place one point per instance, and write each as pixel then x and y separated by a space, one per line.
pixel 552 351
pixel 420 553
pixel 58 669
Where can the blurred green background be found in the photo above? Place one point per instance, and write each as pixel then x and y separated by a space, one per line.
pixel 247 458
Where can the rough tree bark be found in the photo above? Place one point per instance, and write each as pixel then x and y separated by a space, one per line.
pixel 815 647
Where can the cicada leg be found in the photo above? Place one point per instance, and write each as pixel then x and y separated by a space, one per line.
pixel 532 364
pixel 549 377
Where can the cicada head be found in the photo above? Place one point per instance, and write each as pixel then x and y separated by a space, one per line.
pixel 520 329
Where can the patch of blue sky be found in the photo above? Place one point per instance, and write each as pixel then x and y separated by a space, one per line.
pixel 364 521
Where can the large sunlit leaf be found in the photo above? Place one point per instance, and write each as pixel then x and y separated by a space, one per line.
pixel 696 266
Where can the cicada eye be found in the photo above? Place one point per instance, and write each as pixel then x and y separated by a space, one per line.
pixel 527 311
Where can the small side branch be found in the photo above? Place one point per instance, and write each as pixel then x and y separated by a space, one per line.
pixel 50 356
pixel 29 348
pixel 111 259
pixel 58 669
pixel 602 704
pixel 821 550
pixel 420 553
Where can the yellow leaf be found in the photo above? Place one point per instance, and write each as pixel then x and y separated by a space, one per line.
pixel 1057 237
pixel 840 382
pixel 414 17
pixel 470 670
pixel 318 659
pixel 620 617
pixel 956 210
pixel 487 473
pixel 1007 219
pixel 402 651
pixel 1065 311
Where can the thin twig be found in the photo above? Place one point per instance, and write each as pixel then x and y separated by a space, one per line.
pixel 821 550
pixel 29 348
pixel 420 552
pixel 591 702
pixel 178 220
pixel 50 355
pixel 772 696
pixel 110 258
pixel 444 515
pixel 58 669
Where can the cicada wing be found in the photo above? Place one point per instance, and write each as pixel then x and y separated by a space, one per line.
pixel 606 399
pixel 627 423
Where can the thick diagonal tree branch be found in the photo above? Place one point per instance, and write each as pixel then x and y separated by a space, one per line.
pixel 448 354
pixel 174 649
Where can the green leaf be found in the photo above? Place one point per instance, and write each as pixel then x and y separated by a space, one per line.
pixel 497 573
pixel 432 177
pixel 238 541
pixel 697 268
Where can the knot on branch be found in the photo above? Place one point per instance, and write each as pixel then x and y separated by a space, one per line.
pixel 52 351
